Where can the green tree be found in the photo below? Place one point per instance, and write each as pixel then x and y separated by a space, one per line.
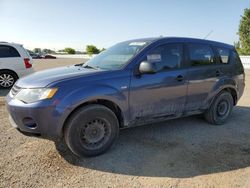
pixel 91 49
pixel 244 33
pixel 70 50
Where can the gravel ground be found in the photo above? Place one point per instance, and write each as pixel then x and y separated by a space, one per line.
pixel 186 152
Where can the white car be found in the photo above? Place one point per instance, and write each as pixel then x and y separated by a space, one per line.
pixel 15 62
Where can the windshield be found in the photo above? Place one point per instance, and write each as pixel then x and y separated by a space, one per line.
pixel 116 56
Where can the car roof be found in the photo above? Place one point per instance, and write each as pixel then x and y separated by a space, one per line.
pixel 10 43
pixel 184 39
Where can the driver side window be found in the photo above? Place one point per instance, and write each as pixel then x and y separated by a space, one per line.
pixel 166 57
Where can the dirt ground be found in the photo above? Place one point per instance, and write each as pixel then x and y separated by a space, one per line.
pixel 186 152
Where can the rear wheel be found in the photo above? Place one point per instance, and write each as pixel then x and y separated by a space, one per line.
pixel 7 79
pixel 91 130
pixel 220 109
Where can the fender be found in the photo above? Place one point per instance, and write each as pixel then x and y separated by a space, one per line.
pixel 9 71
pixel 82 95
pixel 223 83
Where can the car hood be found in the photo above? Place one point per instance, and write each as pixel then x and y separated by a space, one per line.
pixel 46 77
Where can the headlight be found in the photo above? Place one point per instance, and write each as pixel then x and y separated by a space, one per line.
pixel 36 94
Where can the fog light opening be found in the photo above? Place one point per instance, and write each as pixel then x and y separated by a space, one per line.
pixel 30 123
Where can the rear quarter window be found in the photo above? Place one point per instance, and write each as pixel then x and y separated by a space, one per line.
pixel 8 51
pixel 223 55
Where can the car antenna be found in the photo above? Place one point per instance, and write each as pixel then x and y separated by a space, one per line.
pixel 208 34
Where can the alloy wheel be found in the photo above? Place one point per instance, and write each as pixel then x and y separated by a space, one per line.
pixel 6 80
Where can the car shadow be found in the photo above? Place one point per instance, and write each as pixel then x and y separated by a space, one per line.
pixel 178 148
pixel 4 92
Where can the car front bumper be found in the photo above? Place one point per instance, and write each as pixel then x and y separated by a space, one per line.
pixel 35 119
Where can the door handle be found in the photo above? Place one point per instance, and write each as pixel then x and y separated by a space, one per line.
pixel 179 78
pixel 217 73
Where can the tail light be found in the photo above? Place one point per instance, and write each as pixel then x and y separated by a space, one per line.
pixel 27 63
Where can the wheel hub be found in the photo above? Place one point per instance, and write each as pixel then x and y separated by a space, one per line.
pixel 94 131
pixel 6 80
pixel 222 108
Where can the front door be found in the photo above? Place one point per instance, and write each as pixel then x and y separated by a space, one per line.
pixel 161 94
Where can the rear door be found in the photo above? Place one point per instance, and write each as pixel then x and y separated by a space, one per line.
pixel 203 74
pixel 161 94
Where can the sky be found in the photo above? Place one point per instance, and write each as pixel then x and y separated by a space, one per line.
pixel 57 24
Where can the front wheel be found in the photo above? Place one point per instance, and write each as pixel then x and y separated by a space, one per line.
pixel 91 130
pixel 220 109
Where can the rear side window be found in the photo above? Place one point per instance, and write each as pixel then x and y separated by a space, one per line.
pixel 8 51
pixel 200 55
pixel 224 55
pixel 167 56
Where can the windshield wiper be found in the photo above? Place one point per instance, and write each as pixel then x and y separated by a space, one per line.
pixel 90 67
pixel 78 65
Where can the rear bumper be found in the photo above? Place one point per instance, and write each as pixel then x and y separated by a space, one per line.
pixel 39 119
pixel 240 85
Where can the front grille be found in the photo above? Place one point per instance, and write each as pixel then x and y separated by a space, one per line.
pixel 15 89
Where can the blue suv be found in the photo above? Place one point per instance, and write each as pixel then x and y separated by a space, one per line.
pixel 132 83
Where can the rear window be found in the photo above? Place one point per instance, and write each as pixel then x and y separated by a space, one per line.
pixel 8 51
pixel 200 55
pixel 224 55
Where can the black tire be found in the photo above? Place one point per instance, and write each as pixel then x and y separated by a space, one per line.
pixel 91 130
pixel 220 109
pixel 7 79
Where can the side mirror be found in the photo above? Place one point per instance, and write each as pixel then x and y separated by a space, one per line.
pixel 147 68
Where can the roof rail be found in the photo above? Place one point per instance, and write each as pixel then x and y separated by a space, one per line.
pixel 3 42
